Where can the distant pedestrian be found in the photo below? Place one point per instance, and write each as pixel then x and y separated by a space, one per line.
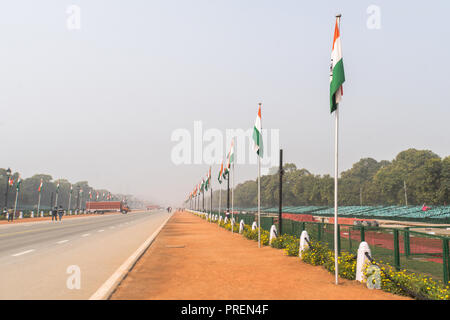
pixel 10 215
pixel 55 214
pixel 5 212
pixel 60 212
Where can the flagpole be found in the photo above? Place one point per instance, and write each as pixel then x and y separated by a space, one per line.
pixel 336 172
pixel 39 204
pixel 259 202
pixel 15 205
pixel 220 198
pixel 259 185
pixel 232 192
pixel 70 198
pixel 336 265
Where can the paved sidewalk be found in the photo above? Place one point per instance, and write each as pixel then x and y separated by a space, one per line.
pixel 194 259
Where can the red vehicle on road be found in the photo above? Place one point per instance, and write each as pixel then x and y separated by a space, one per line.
pixel 106 206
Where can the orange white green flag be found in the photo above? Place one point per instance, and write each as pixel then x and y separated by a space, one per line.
pixel 337 76
pixel 257 134
pixel 219 178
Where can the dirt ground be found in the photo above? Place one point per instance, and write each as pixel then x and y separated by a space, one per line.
pixel 192 259
pixel 17 220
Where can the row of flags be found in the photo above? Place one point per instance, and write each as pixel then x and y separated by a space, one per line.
pixel 41 188
pixel 108 195
pixel 205 184
pixel 224 172
pixel 337 78
pixel 11 182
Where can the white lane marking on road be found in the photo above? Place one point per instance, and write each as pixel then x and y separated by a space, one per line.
pixel 23 252
pixel 62 241
pixel 101 230
pixel 112 227
pixel 86 234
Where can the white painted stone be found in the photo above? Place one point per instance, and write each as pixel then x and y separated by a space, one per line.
pixel 241 226
pixel 226 220
pixel 21 215
pixel 303 243
pixel 362 261
pixel 220 219
pixel 273 233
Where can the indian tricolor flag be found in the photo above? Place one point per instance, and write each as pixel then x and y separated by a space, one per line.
pixel 40 186
pixel 337 76
pixel 230 160
pixel 219 178
pixel 257 134
pixel 208 180
pixel 19 181
pixel 231 154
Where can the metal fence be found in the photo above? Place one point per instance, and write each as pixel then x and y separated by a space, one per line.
pixel 401 248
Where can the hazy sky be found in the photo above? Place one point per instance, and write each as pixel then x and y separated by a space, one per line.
pixel 100 103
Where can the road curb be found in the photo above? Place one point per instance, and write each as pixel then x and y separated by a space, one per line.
pixel 107 288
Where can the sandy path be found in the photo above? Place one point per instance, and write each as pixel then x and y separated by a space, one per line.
pixel 193 259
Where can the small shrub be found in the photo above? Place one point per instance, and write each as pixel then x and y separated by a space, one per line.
pixel 292 248
pixel 283 241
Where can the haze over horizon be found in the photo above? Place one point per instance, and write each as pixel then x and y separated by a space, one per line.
pixel 101 103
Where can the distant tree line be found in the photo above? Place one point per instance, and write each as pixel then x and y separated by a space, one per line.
pixel 28 193
pixel 424 174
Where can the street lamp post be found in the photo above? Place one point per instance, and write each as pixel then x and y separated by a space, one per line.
pixel 8 175
pixel 78 198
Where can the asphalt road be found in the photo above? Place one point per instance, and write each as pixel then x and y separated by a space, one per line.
pixel 48 260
